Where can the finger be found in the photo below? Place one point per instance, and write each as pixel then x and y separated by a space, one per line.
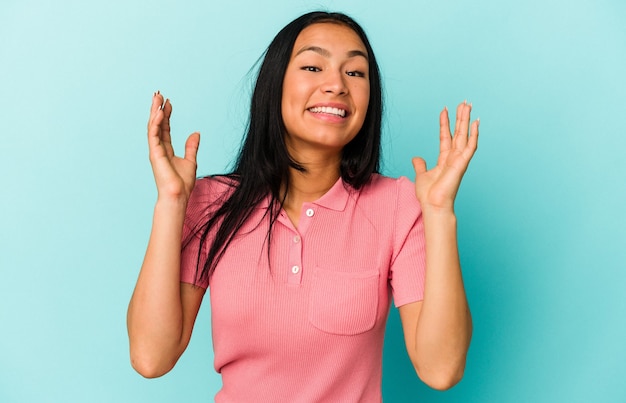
pixel 157 102
pixel 472 142
pixel 457 123
pixel 154 129
pixel 166 138
pixel 419 165
pixel 462 126
pixel 191 147
pixel 166 111
pixel 445 139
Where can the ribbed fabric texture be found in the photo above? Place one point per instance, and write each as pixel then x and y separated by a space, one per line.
pixel 308 325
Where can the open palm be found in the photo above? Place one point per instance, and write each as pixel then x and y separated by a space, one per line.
pixel 437 187
pixel 174 176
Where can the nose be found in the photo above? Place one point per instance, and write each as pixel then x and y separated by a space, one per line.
pixel 334 83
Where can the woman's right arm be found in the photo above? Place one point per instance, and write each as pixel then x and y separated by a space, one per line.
pixel 162 310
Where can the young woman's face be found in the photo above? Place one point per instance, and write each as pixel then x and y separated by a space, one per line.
pixel 326 88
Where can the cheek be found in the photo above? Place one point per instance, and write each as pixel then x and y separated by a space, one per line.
pixel 363 97
pixel 366 91
pixel 292 95
pixel 361 92
pixel 289 96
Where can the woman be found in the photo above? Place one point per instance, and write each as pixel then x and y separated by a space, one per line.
pixel 303 242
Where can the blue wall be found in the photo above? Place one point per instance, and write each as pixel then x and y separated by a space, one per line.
pixel 542 228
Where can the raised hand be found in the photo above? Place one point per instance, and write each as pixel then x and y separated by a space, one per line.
pixel 437 187
pixel 174 176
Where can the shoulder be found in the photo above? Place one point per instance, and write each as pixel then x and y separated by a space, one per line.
pixel 394 197
pixel 210 189
pixel 393 189
pixel 386 196
pixel 208 194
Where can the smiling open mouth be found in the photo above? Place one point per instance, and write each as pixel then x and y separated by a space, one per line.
pixel 329 110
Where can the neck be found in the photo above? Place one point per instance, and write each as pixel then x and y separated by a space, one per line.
pixel 309 186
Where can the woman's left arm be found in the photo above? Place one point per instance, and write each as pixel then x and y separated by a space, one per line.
pixel 438 329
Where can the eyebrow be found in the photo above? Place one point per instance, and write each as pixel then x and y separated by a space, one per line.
pixel 326 53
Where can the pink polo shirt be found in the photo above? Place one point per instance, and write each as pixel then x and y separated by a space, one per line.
pixel 308 325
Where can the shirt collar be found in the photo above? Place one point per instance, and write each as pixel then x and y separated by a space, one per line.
pixel 336 198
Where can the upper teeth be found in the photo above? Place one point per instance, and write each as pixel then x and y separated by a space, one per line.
pixel 328 109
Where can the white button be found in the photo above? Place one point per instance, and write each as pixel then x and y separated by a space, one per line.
pixel 296 239
pixel 295 269
pixel 310 212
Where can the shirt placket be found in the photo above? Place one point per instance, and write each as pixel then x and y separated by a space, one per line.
pixel 295 264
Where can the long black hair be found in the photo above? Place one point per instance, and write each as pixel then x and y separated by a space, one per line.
pixel 263 166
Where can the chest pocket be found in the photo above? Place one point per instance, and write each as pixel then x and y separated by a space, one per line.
pixel 344 303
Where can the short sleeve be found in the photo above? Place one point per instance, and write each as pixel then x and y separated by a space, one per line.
pixel 202 202
pixel 408 265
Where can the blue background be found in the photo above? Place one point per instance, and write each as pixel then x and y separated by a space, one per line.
pixel 541 211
